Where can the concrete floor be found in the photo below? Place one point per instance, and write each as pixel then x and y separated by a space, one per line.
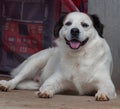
pixel 23 99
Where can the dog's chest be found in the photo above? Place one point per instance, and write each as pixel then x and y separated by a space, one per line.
pixel 77 68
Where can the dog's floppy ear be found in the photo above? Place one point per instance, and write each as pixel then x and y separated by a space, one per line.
pixel 97 24
pixel 58 26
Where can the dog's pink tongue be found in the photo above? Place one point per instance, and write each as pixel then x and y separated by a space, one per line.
pixel 74 44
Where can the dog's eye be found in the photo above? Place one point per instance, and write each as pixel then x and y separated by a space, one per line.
pixel 85 25
pixel 68 23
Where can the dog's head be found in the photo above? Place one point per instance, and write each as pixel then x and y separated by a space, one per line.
pixel 77 28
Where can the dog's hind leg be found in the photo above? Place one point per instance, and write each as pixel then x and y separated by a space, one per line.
pixel 29 85
pixel 27 69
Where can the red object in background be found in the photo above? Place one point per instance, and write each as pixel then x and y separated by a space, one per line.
pixel 70 5
pixel 66 6
pixel 32 42
pixel 29 42
pixel 81 5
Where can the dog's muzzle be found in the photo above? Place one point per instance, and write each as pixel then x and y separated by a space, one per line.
pixel 75 43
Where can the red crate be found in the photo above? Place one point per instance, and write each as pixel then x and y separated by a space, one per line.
pixel 14 41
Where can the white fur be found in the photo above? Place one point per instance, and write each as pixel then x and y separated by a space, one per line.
pixel 86 69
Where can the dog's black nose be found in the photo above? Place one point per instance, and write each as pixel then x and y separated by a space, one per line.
pixel 75 31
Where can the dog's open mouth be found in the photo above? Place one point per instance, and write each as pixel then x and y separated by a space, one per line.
pixel 75 44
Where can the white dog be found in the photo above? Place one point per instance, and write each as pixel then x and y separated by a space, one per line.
pixel 81 61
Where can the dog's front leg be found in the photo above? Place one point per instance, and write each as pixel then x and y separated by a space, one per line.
pixel 52 85
pixel 106 90
pixel 27 70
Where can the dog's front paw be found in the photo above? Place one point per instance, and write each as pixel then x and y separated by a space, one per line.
pixel 5 85
pixel 43 93
pixel 101 97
